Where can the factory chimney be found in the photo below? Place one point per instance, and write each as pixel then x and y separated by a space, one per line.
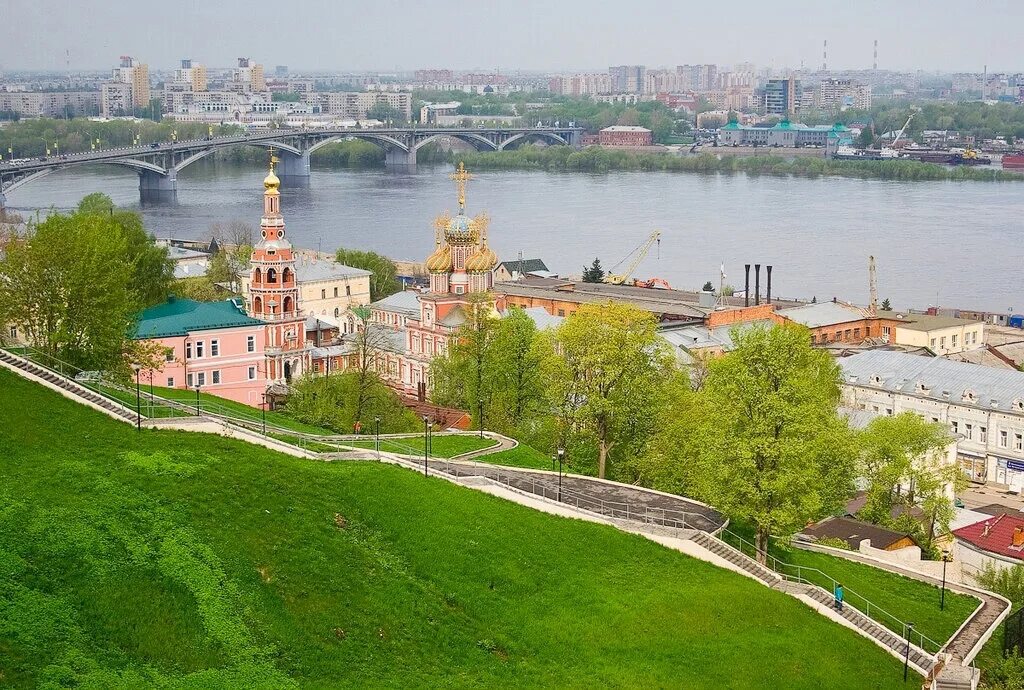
pixel 757 284
pixel 746 286
pixel 768 296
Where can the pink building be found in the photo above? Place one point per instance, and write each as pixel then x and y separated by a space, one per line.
pixel 214 346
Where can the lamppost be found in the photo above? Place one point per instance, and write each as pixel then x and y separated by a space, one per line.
pixel 138 398
pixel 376 436
pixel 426 431
pixel 942 597
pixel 561 459
pixel 906 658
pixel 264 410
pixel 197 400
pixel 46 145
pixel 480 407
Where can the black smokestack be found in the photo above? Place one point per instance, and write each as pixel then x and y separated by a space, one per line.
pixel 757 283
pixel 746 286
pixel 768 297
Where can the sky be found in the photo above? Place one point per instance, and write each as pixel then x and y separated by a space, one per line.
pixel 557 35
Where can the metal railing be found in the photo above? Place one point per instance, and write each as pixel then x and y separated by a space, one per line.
pixel 812 576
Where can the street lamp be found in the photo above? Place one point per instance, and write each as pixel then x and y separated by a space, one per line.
pixel 942 597
pixel 138 398
pixel 426 431
pixel 264 409
pixel 906 658
pixel 376 436
pixel 46 145
pixel 197 400
pixel 561 459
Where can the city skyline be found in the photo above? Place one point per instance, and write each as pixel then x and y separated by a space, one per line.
pixel 568 36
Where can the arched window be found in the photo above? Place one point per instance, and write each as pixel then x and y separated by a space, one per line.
pixel 271 275
pixel 257 305
pixel 287 305
pixel 286 276
pixel 257 276
pixel 337 312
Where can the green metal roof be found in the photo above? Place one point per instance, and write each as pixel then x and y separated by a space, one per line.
pixel 179 316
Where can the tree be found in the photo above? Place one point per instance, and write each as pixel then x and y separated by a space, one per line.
pixel 331 401
pixel 384 279
pixel 518 390
pixel 63 285
pixel 886 305
pixel 903 461
pixel 594 274
pixel 198 288
pixel 463 376
pixel 767 444
pixel 151 270
pixel 866 138
pixel 609 361
pixel 1008 582
pixel 370 340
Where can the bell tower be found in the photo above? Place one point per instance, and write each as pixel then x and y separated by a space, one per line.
pixel 274 290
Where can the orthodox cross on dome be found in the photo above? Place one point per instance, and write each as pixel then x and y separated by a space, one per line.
pixel 461 176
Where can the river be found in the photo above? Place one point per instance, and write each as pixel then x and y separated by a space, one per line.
pixel 951 243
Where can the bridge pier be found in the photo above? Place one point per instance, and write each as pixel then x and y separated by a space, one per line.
pixel 156 187
pixel 399 159
pixel 292 166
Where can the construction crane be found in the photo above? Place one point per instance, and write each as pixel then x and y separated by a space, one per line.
pixel 890 151
pixel 640 252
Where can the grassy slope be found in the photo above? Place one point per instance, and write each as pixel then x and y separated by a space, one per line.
pixel 220 405
pixel 440 446
pixel 213 563
pixel 520 456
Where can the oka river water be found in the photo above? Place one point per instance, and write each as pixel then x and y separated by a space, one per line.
pixel 957 244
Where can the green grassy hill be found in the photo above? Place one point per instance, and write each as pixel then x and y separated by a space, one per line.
pixel 135 559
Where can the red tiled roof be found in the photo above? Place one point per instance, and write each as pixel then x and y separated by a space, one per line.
pixel 999 538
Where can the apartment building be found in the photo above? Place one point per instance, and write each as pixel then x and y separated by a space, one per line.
pixel 136 75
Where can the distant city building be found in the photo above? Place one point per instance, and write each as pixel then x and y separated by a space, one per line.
pixel 628 78
pixel 281 71
pixel 435 75
pixel 50 103
pixel 624 135
pixel 179 91
pixel 115 99
pixel 192 74
pixel 580 84
pixel 782 96
pixel 357 105
pixel 136 75
pixel 785 134
pixel 835 95
pixel 431 111
pixel 247 77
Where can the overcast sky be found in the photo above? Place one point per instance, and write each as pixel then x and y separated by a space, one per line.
pixel 948 35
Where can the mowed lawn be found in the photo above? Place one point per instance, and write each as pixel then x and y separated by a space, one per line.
pixel 132 559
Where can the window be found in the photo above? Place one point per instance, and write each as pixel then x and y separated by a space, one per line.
pixel 953 342
pixel 252 373
pixel 199 349
pixel 856 334
pixel 188 350
pixel 561 312
pixel 201 378
pixel 323 294
pixel 348 290
pixel 169 355
pixel 1018 442
pixel 335 292
pixel 250 343
pixel 942 342
pixel 316 365
pixel 969 431
pixel 170 382
pixel 935 420
pixel 974 338
pixel 888 411
pixel 846 334
pixel 933 343
pixel 874 408
pixel 214 348
pixel 14 332
pixel 189 380
pixel 337 312
pixel 216 376
pixel 983 434
pixel 1002 439
pixel 838 337
pixel 956 427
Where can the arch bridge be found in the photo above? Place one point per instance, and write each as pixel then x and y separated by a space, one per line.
pixel 158 165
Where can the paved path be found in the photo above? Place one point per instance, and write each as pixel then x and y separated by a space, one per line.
pixel 621 501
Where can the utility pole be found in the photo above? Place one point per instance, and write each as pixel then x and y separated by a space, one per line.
pixel 872 286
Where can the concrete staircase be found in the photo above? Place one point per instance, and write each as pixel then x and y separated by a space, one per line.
pixel 36 371
pixel 867 627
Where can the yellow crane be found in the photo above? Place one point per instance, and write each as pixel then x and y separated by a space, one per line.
pixel 640 252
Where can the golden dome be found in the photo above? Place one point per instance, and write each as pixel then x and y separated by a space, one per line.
pixel 270 182
pixel 482 260
pixel 441 260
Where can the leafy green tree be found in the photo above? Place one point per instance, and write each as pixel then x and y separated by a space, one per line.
pixel 903 461
pixel 866 138
pixel 464 375
pixel 768 446
pixel 384 280
pixel 1008 582
pixel 198 288
pixel 332 401
pixel 63 286
pixel 151 270
pixel 518 390
pixel 594 274
pixel 886 304
pixel 609 360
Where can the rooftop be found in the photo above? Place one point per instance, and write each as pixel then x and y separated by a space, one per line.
pixel 994 535
pixel 315 271
pixel 542 319
pixel 853 532
pixel 824 314
pixel 942 379
pixel 406 301
pixel 625 128
pixel 925 322
pixel 182 316
pixel 524 266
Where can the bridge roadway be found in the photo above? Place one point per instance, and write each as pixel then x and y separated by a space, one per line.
pixel 158 165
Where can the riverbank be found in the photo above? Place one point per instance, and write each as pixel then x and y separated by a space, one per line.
pixel 596 159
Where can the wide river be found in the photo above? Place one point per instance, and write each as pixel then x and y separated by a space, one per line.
pixel 948 243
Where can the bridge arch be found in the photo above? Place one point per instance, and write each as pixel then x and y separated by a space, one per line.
pixel 199 155
pixel 384 141
pixel 477 141
pixel 136 165
pixel 522 136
